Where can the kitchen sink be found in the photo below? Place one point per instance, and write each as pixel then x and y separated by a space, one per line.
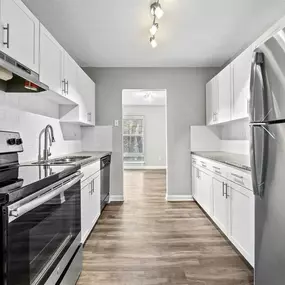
pixel 62 160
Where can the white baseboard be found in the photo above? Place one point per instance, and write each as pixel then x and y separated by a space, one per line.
pixel 177 198
pixel 142 167
pixel 116 198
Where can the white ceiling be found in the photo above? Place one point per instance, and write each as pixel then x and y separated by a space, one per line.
pixel 114 33
pixel 135 97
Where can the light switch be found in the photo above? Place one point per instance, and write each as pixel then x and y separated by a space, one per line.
pixel 116 123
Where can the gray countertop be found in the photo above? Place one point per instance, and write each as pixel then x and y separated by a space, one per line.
pixel 95 155
pixel 237 160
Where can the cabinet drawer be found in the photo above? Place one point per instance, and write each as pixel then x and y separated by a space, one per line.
pixel 90 169
pixel 239 177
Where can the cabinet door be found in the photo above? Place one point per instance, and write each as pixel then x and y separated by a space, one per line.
pixel 85 212
pixel 86 89
pixel 51 61
pixel 225 94
pixel 241 220
pixel 70 77
pixel 97 196
pixel 241 84
pixel 194 182
pixel 95 200
pixel 220 204
pixel 20 32
pixel 205 189
pixel 212 101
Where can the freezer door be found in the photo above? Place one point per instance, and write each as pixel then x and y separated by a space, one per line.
pixel 269 147
pixel 267 102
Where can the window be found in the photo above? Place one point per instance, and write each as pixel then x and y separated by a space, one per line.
pixel 133 135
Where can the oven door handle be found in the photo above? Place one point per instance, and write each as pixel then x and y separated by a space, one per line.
pixel 18 212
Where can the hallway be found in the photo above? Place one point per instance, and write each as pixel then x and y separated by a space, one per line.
pixel 148 241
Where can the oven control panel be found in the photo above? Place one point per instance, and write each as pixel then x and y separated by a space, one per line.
pixel 10 142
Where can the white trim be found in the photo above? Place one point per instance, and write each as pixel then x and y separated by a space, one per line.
pixel 179 198
pixel 143 167
pixel 116 198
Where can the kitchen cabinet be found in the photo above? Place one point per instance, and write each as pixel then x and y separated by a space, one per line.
pixel 225 95
pixel 70 78
pixel 241 219
pixel 86 88
pixel 220 203
pixel 241 68
pixel 225 193
pixel 20 33
pixel 205 187
pixel 51 61
pixel 84 113
pixel 90 198
pixel 212 101
pixel 195 180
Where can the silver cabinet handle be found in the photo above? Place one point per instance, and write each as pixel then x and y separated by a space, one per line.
pixel 21 210
pixel 226 193
pixel 7 28
pixel 237 176
pixel 224 188
pixel 203 164
pixel 67 86
pixel 89 117
pixel 63 87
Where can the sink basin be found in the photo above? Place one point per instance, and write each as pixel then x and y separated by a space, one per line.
pixel 62 160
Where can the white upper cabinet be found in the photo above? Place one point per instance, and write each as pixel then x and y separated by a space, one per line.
pixel 86 88
pixel 225 95
pixel 228 93
pixel 20 33
pixel 84 112
pixel 70 78
pixel 241 84
pixel 212 101
pixel 51 62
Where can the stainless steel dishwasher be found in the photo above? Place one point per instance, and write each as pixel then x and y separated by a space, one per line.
pixel 105 164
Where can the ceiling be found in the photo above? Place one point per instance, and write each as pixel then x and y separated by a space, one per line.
pixel 139 97
pixel 114 33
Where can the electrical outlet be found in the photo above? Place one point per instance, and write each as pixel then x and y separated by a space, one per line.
pixel 116 123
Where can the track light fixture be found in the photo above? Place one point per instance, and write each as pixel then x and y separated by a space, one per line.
pixel 157 12
pixel 153 42
pixel 153 29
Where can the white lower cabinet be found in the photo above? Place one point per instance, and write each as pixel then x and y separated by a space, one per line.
pixel 205 187
pixel 90 199
pixel 241 213
pixel 220 203
pixel 230 205
pixel 195 180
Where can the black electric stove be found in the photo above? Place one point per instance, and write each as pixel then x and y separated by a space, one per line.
pixel 40 218
pixel 20 181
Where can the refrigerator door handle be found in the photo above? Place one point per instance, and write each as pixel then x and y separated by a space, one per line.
pixel 257 66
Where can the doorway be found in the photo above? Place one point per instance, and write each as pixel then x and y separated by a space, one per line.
pixel 144 136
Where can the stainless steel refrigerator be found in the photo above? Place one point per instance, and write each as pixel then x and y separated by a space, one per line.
pixel 267 129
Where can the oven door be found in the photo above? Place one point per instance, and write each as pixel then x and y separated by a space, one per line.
pixel 42 232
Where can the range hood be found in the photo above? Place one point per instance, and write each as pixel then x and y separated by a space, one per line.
pixel 16 78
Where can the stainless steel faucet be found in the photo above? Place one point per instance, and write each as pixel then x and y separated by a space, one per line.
pixel 48 137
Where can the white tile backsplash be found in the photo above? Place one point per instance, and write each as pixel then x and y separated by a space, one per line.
pixel 17 113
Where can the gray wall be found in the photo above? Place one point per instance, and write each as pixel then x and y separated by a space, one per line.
pixel 185 106
pixel 154 132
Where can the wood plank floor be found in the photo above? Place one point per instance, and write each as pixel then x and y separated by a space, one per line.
pixel 148 241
